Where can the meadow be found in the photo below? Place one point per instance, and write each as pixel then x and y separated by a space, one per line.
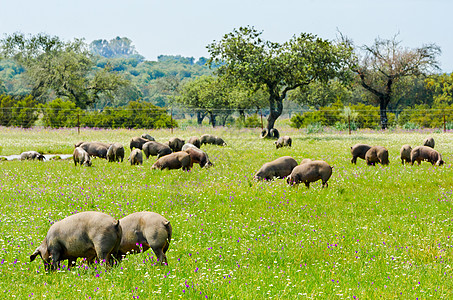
pixel 383 231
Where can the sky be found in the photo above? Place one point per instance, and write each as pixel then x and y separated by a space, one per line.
pixel 186 27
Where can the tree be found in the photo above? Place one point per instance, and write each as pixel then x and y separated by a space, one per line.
pixel 442 87
pixel 318 94
pixel 380 66
pixel 243 56
pixel 117 47
pixel 206 94
pixel 65 68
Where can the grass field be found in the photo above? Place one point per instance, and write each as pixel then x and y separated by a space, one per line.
pixel 374 232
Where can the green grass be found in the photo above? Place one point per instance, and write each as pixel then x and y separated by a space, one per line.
pixel 374 232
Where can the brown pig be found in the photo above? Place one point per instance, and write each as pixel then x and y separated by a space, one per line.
pixel 284 141
pixel 377 154
pixel 281 167
pixel 89 234
pixel 144 230
pixel 426 153
pixel 429 141
pixel 359 150
pixel 175 160
pixel 81 156
pixel 310 171
pixel 405 154
pixel 198 156
pixel 136 157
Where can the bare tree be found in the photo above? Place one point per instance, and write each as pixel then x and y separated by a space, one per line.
pixel 384 63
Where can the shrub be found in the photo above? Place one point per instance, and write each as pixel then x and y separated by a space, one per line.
pixel 59 113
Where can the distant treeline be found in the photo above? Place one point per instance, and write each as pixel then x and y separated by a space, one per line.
pixel 25 112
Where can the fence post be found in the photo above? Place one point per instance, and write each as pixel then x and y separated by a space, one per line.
pixel 349 123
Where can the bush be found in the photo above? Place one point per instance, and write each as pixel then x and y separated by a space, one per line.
pixel 134 115
pixel 59 113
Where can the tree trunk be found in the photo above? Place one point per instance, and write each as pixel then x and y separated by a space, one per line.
pixel 200 117
pixel 275 110
pixel 212 119
pixel 383 114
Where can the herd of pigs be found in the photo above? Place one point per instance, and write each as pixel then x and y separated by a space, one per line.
pixel 95 235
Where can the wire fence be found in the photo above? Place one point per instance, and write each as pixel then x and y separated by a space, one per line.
pixel 172 117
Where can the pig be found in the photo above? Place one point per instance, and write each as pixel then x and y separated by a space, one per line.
pixel 137 142
pixel 429 141
pixel 377 154
pixel 31 155
pixel 115 152
pixel 195 141
pixel 359 150
pixel 144 230
pixel 97 149
pixel 175 160
pixel 175 144
pixel 281 167
pixel 198 156
pixel 310 171
pixel 81 156
pixel 426 153
pixel 78 144
pixel 211 139
pixel 155 148
pixel 136 157
pixel 89 234
pixel 148 137
pixel 284 141
pixel 405 154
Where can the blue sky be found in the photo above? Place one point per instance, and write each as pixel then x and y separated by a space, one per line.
pixel 184 27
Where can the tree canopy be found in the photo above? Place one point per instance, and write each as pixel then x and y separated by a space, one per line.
pixel 380 66
pixel 243 55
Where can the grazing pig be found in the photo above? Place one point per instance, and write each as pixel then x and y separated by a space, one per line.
pixel 377 154
pixel 405 154
pixel 144 230
pixel 284 141
pixel 211 139
pixel 81 156
pixel 31 155
pixel 310 171
pixel 195 141
pixel 115 152
pixel 176 160
pixel 97 149
pixel 305 160
pixel 429 141
pixel 155 148
pixel 136 157
pixel 148 137
pixel 137 142
pixel 175 144
pixel 89 234
pixel 198 156
pixel 279 168
pixel 427 154
pixel 359 150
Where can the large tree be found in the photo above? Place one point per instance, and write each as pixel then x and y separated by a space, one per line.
pixel 385 63
pixel 64 68
pixel 244 56
pixel 207 95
